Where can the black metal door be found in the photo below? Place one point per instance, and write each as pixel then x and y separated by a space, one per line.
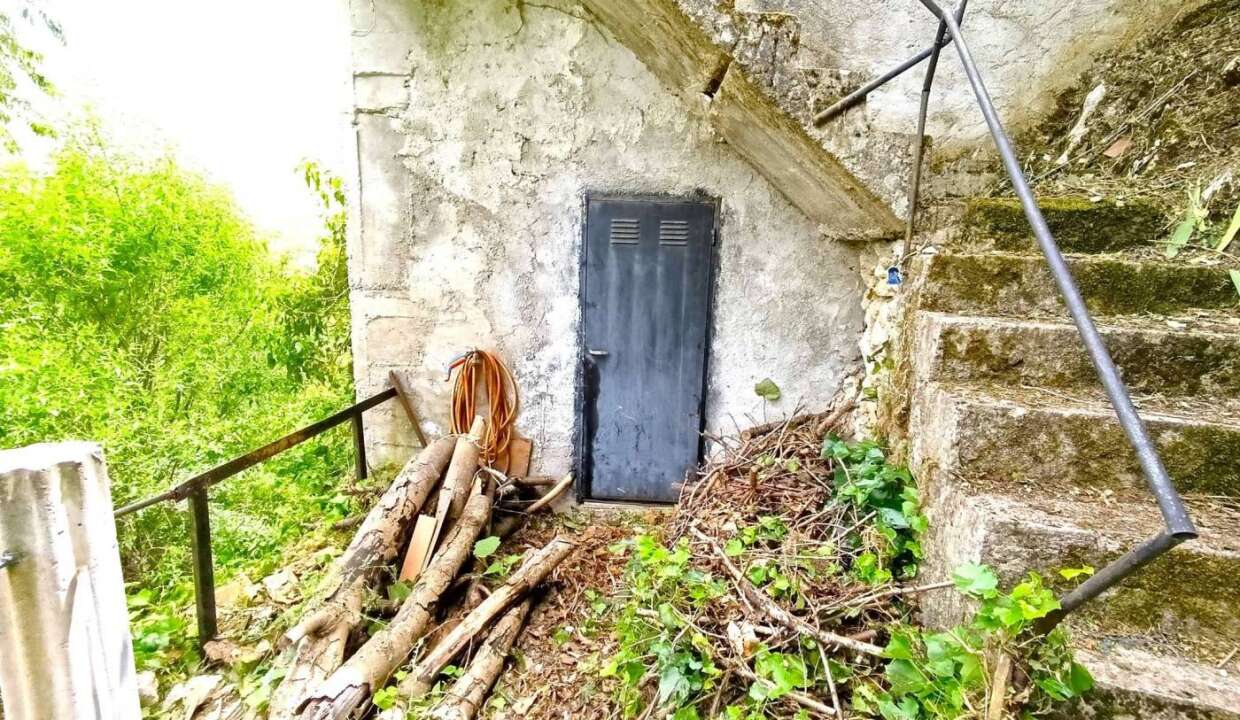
pixel 646 309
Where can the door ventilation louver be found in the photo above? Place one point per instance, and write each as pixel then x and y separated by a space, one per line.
pixel 625 231
pixel 674 232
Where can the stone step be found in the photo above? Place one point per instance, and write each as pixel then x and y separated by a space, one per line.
pixel 1078 224
pixel 1019 440
pixel 1175 606
pixel 1201 359
pixel 1010 284
pixel 1134 684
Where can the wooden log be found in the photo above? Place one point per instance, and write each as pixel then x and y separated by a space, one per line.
pixel 378 541
pixel 534 570
pixel 457 482
pixel 312 661
pixel 315 647
pixel 366 670
pixel 467 695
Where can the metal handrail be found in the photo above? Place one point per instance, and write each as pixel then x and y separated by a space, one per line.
pixel 195 491
pixel 1178 525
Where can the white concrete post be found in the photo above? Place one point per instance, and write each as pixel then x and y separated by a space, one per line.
pixel 65 649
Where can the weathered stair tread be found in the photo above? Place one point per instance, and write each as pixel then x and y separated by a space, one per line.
pixel 1175 604
pixel 1078 224
pixel 1016 284
pixel 1199 357
pixel 1017 439
pixel 1136 684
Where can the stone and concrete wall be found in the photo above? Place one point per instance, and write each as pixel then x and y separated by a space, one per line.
pixel 480 127
pixel 1027 50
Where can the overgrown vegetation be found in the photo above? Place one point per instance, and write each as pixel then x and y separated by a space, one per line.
pixel 1156 120
pixel 682 646
pixel 139 309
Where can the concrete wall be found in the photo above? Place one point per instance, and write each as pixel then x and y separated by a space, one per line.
pixel 1027 51
pixel 480 127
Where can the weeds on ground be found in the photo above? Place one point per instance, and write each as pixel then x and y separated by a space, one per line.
pixel 682 649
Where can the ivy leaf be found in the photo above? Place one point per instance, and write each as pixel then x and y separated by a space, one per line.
pixel 1230 235
pixel 975 579
pixel 1183 233
pixel 1073 573
pixel 398 591
pixel 899 647
pixel 905 678
pixel 486 547
pixel 767 390
pixel 893 518
pixel 1080 680
pixel 672 682
pixel 734 547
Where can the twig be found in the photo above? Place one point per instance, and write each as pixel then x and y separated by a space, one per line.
pixel 1230 655
pixel 551 495
pixel 867 599
pixel 799 698
pixel 778 614
pixel 998 687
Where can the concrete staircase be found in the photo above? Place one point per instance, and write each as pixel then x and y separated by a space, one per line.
pixel 1024 466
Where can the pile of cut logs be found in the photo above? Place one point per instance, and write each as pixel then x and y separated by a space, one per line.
pixel 422 530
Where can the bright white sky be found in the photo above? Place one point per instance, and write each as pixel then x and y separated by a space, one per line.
pixel 242 90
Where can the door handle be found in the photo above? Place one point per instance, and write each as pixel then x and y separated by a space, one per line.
pixel 597 353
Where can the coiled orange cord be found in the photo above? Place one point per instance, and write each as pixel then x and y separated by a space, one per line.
pixel 502 400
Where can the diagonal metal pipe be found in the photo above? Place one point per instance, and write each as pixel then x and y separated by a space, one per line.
pixel 855 97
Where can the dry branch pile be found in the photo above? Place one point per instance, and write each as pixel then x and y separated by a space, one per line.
pixel 780 558
pixel 423 531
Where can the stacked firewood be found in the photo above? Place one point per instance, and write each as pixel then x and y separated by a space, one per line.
pixel 422 529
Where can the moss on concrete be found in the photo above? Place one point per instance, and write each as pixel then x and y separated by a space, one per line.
pixel 1078 224
pixel 1153 362
pixel 1183 585
pixel 1001 449
pixel 1014 285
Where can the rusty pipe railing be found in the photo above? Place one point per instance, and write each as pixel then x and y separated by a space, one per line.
pixel 195 491
pixel 1178 526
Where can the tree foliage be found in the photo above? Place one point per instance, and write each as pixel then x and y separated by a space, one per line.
pixel 18 62
pixel 139 308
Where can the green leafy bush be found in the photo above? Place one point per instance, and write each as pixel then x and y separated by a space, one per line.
pixel 864 478
pixel 941 675
pixel 139 309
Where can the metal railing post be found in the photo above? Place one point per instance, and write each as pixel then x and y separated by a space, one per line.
pixel 204 569
pixel 359 446
pixel 914 190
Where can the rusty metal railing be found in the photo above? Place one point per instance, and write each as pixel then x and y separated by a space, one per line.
pixel 195 491
pixel 1178 526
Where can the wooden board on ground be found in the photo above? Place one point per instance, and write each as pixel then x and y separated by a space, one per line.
pixel 419 548
pixel 519 452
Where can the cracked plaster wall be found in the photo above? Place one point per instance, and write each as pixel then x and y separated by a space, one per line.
pixel 479 129
pixel 1027 50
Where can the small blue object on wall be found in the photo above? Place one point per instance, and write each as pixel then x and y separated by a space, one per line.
pixel 893 276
